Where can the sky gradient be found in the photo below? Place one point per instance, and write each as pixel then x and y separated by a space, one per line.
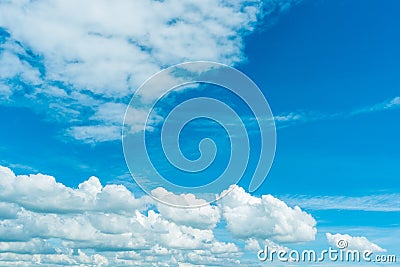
pixel 330 73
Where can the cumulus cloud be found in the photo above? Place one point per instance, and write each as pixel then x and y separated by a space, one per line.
pixel 45 222
pixel 252 244
pixel 354 242
pixel 206 216
pixel 80 59
pixel 32 192
pixel 64 224
pixel 266 217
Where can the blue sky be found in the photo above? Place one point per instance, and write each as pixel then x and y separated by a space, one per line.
pixel 351 64
pixel 329 70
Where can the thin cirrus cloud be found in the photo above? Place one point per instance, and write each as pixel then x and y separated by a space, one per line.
pixel 78 59
pixel 382 203
pixel 385 105
pixel 291 118
pixel 287 119
pixel 45 222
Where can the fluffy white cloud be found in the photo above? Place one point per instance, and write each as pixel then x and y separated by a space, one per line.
pixel 353 242
pixel 33 192
pixel 252 244
pixel 12 66
pixel 267 217
pixel 90 56
pixel 84 60
pixel 205 216
pixel 45 222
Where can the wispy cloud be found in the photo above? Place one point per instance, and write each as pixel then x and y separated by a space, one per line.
pixel 292 118
pixel 385 105
pixel 384 202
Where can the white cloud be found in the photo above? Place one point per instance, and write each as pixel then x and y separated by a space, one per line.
pixel 5 91
pixel 91 56
pixel 34 245
pixel 353 242
pixel 32 193
pixel 288 117
pixel 255 245
pixel 80 259
pixel 395 102
pixel 11 66
pixel 45 222
pixel 265 218
pixel 252 244
pixel 95 133
pixel 206 216
pixel 385 105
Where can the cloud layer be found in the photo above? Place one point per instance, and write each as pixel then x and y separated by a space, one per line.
pixel 43 221
pixel 81 59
